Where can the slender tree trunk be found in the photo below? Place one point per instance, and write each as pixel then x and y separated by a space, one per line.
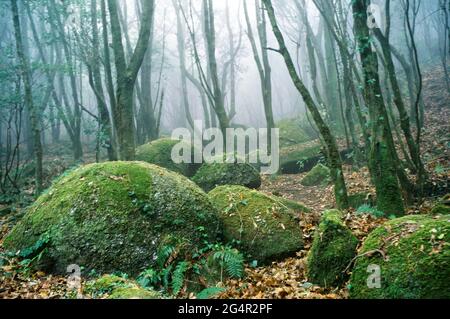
pixel 398 100
pixel 33 113
pixel 183 70
pixel 95 80
pixel 218 97
pixel 262 64
pixel 334 158
pixel 126 76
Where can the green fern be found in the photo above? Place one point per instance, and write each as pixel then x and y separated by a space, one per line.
pixel 178 276
pixel 149 278
pixel 209 292
pixel 231 260
pixel 164 254
pixel 367 209
pixel 166 272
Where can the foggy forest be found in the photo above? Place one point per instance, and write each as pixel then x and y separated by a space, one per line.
pixel 224 149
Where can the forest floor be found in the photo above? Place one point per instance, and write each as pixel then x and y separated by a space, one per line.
pixel 287 278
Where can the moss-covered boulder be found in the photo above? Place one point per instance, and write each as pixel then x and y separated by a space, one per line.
pixel 413 253
pixel 114 217
pixel 291 132
pixel 333 249
pixel 300 158
pixel 319 175
pixel 159 152
pixel 115 287
pixel 216 174
pixel 264 227
pixel 442 207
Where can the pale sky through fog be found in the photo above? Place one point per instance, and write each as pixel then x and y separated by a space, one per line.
pixel 249 100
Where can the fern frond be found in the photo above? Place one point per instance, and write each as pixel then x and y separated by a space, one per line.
pixel 232 260
pixel 209 292
pixel 163 254
pixel 178 276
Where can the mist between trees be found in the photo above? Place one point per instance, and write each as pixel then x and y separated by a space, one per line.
pixel 106 76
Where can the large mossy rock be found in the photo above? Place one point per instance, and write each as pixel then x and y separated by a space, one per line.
pixel 300 158
pixel 291 132
pixel 114 217
pixel 333 249
pixel 216 174
pixel 264 227
pixel 159 152
pixel 413 253
pixel 319 175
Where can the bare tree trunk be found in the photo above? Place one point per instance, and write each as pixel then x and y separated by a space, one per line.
pixel 183 70
pixel 210 35
pixel 97 86
pixel 34 117
pixel 262 64
pixel 334 159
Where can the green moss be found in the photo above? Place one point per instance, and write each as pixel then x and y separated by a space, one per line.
pixel 319 175
pixel 211 175
pixel 265 228
pixel 416 262
pixel 299 158
pixel 134 293
pixel 113 216
pixel 291 133
pixel 105 285
pixel 333 248
pixel 159 152
pixel 115 287
pixel 442 207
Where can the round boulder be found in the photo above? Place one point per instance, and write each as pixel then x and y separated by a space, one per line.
pixel 333 249
pixel 113 217
pixel 264 228
pixel 406 258
pixel 159 152
pixel 319 175
pixel 217 174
